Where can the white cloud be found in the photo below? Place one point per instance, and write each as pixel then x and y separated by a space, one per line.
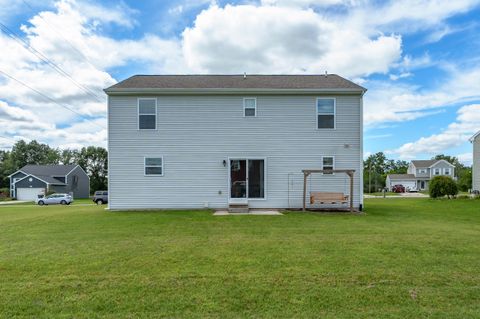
pixel 79 49
pixel 456 134
pixel 270 39
pixel 466 158
pixel 396 102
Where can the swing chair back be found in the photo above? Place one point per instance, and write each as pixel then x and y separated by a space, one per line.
pixel 328 198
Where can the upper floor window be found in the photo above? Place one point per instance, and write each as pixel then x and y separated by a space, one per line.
pixel 328 164
pixel 325 113
pixel 447 171
pixel 422 171
pixel 153 166
pixel 147 114
pixel 249 107
pixel 436 171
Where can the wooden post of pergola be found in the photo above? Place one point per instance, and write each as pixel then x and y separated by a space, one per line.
pixel 307 172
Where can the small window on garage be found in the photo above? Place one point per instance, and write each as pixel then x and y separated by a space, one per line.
pixel 249 107
pixel 154 166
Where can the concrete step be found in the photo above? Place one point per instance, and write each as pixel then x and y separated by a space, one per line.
pixel 238 208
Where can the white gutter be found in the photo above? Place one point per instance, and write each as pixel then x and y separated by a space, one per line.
pixel 207 91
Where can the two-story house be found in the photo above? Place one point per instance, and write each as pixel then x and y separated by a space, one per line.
pixel 419 174
pixel 207 141
pixel 475 140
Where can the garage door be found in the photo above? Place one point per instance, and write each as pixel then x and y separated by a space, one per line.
pixel 407 184
pixel 29 193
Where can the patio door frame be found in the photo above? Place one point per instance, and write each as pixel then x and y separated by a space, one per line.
pixel 246 199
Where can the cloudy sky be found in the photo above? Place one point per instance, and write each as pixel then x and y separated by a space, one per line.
pixel 419 60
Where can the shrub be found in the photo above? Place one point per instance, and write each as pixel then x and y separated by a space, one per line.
pixel 4 191
pixel 441 186
pixel 463 197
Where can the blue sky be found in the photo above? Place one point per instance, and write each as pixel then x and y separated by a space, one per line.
pixel 419 60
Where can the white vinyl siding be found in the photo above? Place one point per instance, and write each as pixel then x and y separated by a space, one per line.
pixel 249 107
pixel 197 133
pixel 147 114
pixel 153 166
pixel 325 113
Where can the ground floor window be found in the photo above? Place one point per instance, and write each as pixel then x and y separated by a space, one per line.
pixel 247 178
pixel 153 166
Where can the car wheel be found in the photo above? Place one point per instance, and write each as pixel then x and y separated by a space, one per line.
pixel 99 202
pixel 41 203
pixel 63 202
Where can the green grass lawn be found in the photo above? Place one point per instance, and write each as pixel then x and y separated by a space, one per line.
pixel 406 258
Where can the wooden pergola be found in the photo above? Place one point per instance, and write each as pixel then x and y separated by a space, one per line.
pixel 307 172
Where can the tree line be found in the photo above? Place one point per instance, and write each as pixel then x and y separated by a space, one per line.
pixel 93 159
pixel 377 166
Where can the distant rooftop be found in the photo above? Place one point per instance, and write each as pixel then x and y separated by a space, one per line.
pixel 48 170
pixel 424 163
pixel 239 81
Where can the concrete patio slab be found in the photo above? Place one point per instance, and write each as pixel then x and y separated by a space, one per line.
pixel 251 212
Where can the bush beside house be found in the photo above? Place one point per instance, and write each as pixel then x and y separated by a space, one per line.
pixel 441 186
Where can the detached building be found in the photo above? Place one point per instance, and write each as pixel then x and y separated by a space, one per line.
pixel 475 140
pixel 198 141
pixel 33 180
pixel 420 173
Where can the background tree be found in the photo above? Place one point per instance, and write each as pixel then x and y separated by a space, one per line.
pixel 94 161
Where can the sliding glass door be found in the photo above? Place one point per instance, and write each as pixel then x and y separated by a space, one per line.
pixel 247 178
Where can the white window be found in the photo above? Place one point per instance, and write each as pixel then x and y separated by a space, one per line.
pixel 249 107
pixel 325 113
pixel 328 164
pixel 147 114
pixel 447 171
pixel 154 166
pixel 436 171
pixel 422 171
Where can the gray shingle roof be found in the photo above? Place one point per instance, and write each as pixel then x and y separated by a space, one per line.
pixel 401 176
pixel 49 179
pixel 424 163
pixel 254 81
pixel 48 170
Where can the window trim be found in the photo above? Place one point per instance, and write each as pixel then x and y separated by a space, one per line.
pixel 249 107
pixel 445 171
pixel 145 166
pixel 333 163
pixel 435 171
pixel 334 112
pixel 138 113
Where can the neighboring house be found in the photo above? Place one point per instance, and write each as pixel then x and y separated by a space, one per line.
pixel 198 141
pixel 420 173
pixel 33 180
pixel 475 140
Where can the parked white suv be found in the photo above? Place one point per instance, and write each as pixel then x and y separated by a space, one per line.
pixel 63 199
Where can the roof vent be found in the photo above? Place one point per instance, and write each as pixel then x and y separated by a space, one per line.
pixel 244 75
pixel 326 73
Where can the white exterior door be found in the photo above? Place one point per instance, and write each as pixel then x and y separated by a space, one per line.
pixel 29 193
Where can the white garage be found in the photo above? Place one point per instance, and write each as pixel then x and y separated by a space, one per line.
pixel 29 194
pixel 407 180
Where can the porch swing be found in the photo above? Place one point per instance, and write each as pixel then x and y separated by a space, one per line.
pixel 328 197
